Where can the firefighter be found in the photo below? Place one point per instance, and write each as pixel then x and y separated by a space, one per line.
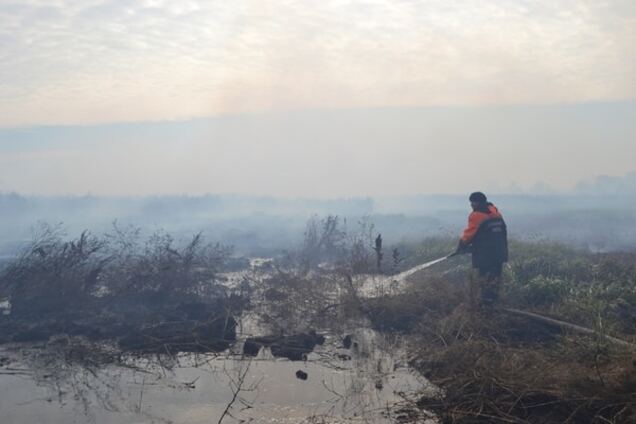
pixel 486 238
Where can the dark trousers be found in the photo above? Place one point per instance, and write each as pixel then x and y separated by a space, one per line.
pixel 485 284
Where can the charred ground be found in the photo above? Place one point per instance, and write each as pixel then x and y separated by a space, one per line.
pixel 157 295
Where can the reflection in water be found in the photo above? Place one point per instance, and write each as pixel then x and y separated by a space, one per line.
pixel 72 382
pixel 365 379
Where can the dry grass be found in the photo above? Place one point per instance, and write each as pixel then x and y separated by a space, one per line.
pixel 495 367
pixel 491 374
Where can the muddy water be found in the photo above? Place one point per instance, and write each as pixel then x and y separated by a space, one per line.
pixel 374 386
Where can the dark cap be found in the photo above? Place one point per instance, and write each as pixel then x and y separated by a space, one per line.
pixel 478 197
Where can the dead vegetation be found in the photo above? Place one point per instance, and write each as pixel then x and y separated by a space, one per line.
pixel 499 367
pixel 148 294
pixel 334 243
pixel 311 287
pixel 155 295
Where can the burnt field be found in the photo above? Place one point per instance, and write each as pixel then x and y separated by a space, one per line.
pixel 81 314
pixel 97 301
pixel 146 295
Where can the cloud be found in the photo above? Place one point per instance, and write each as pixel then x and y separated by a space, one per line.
pixel 69 61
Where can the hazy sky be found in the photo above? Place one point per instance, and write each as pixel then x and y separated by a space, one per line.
pixel 394 95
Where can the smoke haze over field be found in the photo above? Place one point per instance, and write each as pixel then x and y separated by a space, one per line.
pixel 267 225
pixel 138 110
pixel 327 154
pixel 315 99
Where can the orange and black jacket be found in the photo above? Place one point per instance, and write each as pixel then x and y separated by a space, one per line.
pixel 486 236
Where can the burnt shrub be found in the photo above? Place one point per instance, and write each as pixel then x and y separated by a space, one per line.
pixel 152 294
pixel 51 274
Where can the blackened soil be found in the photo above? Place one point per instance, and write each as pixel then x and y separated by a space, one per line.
pixel 295 347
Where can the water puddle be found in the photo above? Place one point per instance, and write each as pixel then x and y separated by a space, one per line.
pixel 353 375
pixel 368 382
